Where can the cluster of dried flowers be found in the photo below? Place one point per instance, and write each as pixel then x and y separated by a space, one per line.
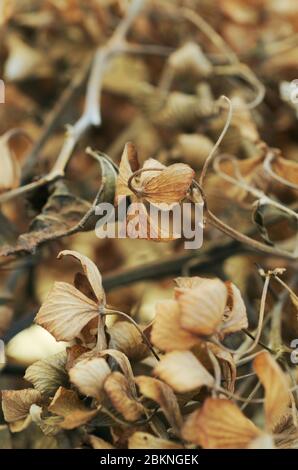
pixel 108 378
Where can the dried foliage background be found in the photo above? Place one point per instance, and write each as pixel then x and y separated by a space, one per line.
pixel 138 343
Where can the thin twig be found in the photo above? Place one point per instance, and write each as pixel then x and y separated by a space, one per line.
pixel 219 140
pixel 261 317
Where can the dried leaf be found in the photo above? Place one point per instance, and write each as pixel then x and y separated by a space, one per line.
pixel 16 403
pixel 62 212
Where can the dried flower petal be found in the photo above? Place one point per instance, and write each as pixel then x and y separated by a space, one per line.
pixel 170 185
pixel 48 374
pixel 219 424
pixel 124 365
pixel 90 270
pixel 16 403
pixel 89 375
pixel 167 334
pixel 118 390
pixel 228 365
pixel 235 318
pixel 183 372
pixel 125 337
pixel 66 311
pixel 66 403
pixel 162 394
pixel 128 165
pixel 276 388
pixel 144 440
pixel 202 307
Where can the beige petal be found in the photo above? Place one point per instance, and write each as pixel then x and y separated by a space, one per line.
pixel 16 403
pixel 183 372
pixel 228 365
pixel 48 374
pixel 162 394
pixel 167 334
pixel 83 285
pixel 89 375
pixel 66 403
pixel 73 354
pixel 202 308
pixel 89 334
pixel 118 390
pixel 171 185
pixel 219 424
pixel 150 164
pixel 125 338
pixel 142 224
pixel 66 311
pixel 91 271
pixel 10 169
pixel 189 282
pixel 276 387
pixel 49 426
pixel 144 440
pixel 128 165
pixel 235 317
pixel 98 443
pixel 124 365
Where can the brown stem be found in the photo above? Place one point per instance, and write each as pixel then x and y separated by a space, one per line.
pixel 254 244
